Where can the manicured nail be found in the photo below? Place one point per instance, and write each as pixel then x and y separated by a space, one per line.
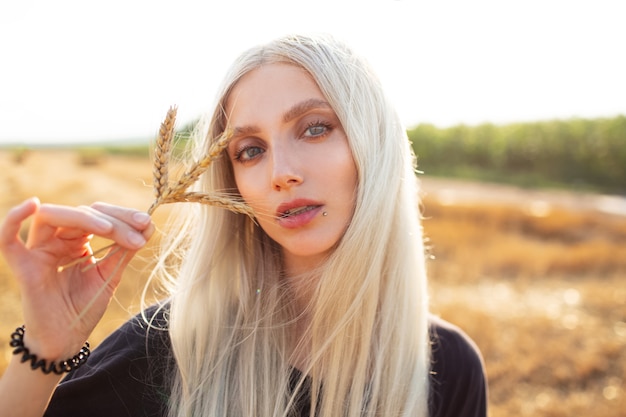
pixel 141 217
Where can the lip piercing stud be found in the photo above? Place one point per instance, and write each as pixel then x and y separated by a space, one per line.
pixel 324 214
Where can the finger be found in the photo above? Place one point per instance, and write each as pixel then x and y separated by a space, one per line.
pixel 78 222
pixel 137 219
pixel 10 241
pixel 109 250
pixel 132 228
pixel 50 218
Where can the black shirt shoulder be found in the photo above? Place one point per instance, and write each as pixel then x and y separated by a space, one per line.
pixel 458 381
pixel 125 376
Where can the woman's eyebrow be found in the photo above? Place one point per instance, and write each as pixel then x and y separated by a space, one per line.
pixel 294 112
pixel 245 131
pixel 303 107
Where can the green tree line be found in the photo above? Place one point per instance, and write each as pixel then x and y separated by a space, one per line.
pixel 576 153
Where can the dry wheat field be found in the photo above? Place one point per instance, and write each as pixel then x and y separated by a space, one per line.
pixel 537 279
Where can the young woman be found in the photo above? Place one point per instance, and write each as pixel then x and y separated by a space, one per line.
pixel 317 306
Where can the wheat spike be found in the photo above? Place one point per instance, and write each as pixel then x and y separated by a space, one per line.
pixel 162 151
pixel 192 175
pixel 166 194
pixel 220 144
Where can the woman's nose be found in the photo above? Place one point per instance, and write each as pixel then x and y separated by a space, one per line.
pixel 286 168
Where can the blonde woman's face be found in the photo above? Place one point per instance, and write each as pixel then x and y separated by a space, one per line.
pixel 291 161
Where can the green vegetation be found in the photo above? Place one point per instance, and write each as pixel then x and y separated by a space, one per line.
pixel 132 150
pixel 577 153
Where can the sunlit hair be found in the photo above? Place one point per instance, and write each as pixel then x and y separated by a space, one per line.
pixel 231 319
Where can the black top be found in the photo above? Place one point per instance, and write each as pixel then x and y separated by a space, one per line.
pixel 126 375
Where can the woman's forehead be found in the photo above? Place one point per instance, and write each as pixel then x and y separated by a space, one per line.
pixel 273 89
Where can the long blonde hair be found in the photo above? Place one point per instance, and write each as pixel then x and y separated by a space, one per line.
pixel 231 312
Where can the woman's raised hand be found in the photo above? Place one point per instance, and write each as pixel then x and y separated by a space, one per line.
pixel 61 306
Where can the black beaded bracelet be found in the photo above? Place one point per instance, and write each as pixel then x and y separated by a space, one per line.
pixel 17 341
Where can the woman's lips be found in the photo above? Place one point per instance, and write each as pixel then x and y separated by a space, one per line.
pixel 297 213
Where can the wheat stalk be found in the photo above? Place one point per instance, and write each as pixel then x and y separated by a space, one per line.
pixel 213 200
pixel 165 193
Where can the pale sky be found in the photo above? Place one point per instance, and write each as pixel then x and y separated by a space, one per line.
pixel 94 70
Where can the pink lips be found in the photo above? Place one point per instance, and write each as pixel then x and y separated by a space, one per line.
pixel 297 213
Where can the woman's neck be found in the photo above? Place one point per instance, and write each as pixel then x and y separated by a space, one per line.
pixel 302 278
pixel 302 275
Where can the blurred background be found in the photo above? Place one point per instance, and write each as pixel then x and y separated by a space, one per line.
pixel 516 112
pixel 108 70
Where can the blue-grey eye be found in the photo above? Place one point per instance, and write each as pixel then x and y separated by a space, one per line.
pixel 253 151
pixel 316 130
pixel 249 152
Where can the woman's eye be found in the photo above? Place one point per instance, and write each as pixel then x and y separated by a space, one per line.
pixel 248 153
pixel 315 130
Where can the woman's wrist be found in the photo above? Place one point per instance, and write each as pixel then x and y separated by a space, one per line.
pixel 47 364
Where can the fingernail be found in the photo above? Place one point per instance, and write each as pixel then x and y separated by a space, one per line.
pixel 136 239
pixel 141 217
